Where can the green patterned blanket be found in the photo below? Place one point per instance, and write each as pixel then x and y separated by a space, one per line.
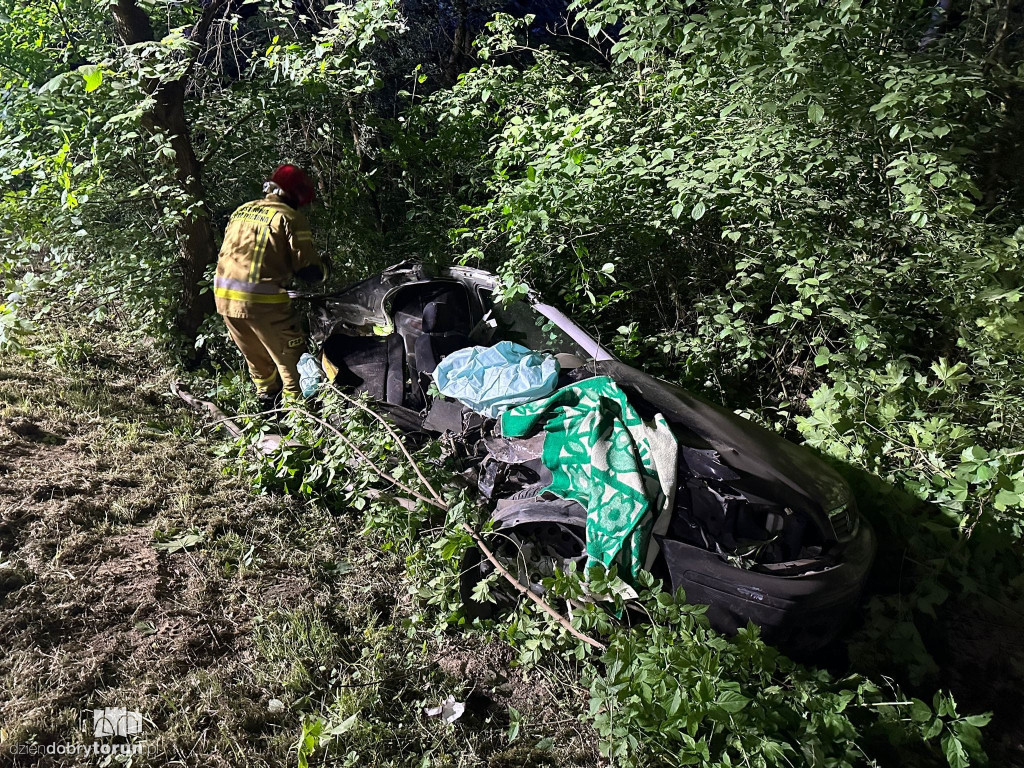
pixel 603 455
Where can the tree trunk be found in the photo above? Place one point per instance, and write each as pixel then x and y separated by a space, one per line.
pixel 196 239
pixel 460 43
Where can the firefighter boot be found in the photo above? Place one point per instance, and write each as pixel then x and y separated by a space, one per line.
pixel 269 401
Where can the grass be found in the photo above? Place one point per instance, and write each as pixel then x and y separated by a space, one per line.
pixel 278 613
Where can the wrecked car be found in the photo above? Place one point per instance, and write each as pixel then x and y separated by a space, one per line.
pixel 757 528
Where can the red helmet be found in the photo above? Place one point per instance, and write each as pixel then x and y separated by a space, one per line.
pixel 295 183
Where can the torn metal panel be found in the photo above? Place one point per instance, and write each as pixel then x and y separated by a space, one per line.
pixel 360 307
pixel 489 478
pixel 706 463
pixel 515 450
pixel 451 416
pixel 554 510
pixel 444 416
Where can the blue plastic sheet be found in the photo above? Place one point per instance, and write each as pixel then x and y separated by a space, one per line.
pixel 311 375
pixel 492 379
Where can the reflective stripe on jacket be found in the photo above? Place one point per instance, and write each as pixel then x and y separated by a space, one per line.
pixel 266 242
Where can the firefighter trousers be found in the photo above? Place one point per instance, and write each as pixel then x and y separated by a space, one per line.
pixel 271 344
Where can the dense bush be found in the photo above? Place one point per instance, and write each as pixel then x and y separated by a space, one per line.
pixel 808 209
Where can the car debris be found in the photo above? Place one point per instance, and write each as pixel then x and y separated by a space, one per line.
pixel 275 706
pixel 449 710
pixel 757 528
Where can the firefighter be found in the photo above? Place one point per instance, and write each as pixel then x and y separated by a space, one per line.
pixel 266 244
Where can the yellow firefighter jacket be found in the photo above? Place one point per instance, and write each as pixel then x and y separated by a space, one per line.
pixel 265 244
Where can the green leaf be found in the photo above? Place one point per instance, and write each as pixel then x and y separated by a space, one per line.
pixel 955 753
pixel 919 711
pixel 515 721
pixel 731 701
pixel 52 84
pixel 974 453
pixel 979 721
pixel 1006 500
pixel 92 76
pixel 698 211
pixel 815 112
pixel 179 543
pixel 344 726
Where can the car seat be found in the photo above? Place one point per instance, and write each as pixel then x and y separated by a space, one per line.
pixel 429 324
pixel 368 364
pixel 444 332
pixel 360 362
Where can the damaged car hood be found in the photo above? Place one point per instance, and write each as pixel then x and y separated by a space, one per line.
pixel 797 474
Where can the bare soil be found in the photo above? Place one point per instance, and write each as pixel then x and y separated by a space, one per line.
pixel 96 468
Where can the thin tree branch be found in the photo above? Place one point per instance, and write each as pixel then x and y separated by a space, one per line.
pixel 440 504
pixel 369 462
pixel 201 30
pixel 544 606
pixel 394 435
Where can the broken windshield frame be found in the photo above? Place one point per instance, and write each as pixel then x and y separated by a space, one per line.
pixel 541 327
pixel 589 345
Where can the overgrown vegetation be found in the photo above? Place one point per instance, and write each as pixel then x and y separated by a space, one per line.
pixel 809 210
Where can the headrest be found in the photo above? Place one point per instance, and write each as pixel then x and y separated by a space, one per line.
pixel 568 361
pixel 438 317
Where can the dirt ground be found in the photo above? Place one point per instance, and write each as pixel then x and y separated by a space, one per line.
pixel 139 571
